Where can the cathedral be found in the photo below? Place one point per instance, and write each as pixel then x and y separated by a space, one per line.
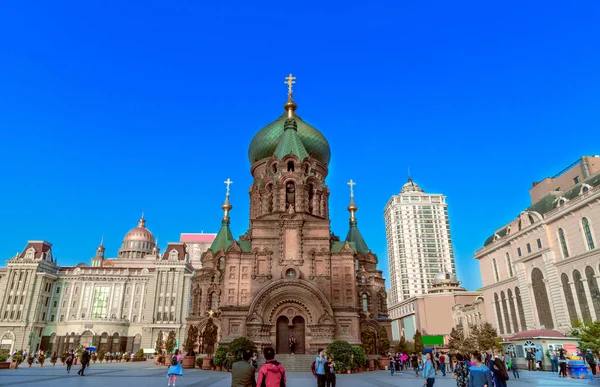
pixel 290 275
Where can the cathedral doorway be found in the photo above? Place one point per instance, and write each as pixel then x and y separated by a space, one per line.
pixel 287 330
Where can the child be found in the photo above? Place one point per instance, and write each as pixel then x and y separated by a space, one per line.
pixel 175 369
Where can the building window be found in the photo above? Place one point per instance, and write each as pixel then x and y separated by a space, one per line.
pixel 529 247
pixel 214 302
pixel 52 318
pixel 576 179
pixel 588 233
pixel 509 265
pixel 100 302
pixel 539 243
pixel 55 304
pixel 365 303
pixel 563 243
pixel 519 251
pixel 495 270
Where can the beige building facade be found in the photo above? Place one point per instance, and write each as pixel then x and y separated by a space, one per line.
pixel 118 304
pixel 541 271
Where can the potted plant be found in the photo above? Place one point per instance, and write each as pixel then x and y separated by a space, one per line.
pixel 383 349
pixel 220 356
pixel 209 338
pixel 126 357
pixel 54 359
pixel 101 355
pixel 4 364
pixel 158 347
pixel 119 358
pixel 199 362
pixel 189 359
pixel 358 358
pixel 16 360
pixel 139 355
pixel 170 347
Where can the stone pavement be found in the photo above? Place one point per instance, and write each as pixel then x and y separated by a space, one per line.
pixel 147 374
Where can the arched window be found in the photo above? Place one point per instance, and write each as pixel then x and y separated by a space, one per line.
pixel 531 220
pixel 221 263
pixel 541 299
pixel 520 309
pixel 290 166
pixel 513 310
pixel 496 276
pixel 594 291
pixel 214 301
pixel 563 243
pixel 569 298
pixel 498 313
pixel 505 310
pixel 509 265
pixel 588 233
pixel 365 303
pixel 580 292
pixel 363 280
pixel 356 265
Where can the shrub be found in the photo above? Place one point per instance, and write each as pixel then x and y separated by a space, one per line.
pixel 139 353
pixel 126 356
pixel 342 352
pixel 359 359
pixel 190 340
pixel 171 342
pixel 18 357
pixel 238 346
pixel 3 357
pixel 384 342
pixel 101 354
pixel 220 355
pixel 199 362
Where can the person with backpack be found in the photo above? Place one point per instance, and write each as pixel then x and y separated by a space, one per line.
pixel 499 372
pixel 69 361
pixel 272 373
pixel 175 368
pixel 330 372
pixel 319 366
pixel 85 361
pixel 242 372
pixel 591 361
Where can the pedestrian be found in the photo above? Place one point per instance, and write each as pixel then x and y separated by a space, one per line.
pixel 553 360
pixel 320 360
pixel 442 361
pixel 255 361
pixel 450 362
pixel 499 372
pixel 461 371
pixel 562 363
pixel 292 344
pixel 69 361
pixel 85 360
pixel 591 361
pixel 330 372
pixel 530 360
pixel 242 372
pixel 513 366
pixel 539 357
pixel 175 369
pixel 428 370
pixel 479 374
pixel 415 363
pixel 392 363
pixel 272 373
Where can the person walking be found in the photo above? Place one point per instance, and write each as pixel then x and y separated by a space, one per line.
pixel 442 363
pixel 272 373
pixel 513 366
pixel 428 370
pixel 242 372
pixel 530 360
pixel 69 361
pixel 499 372
pixel 415 363
pixel 553 360
pixel 85 360
pixel 539 358
pixel 392 363
pixel 320 367
pixel 562 363
pixel 292 343
pixel 591 361
pixel 479 374
pixel 175 369
pixel 461 371
pixel 330 372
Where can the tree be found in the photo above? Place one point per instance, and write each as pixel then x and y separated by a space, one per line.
pixel 487 337
pixel 401 346
pixel 384 342
pixel 240 344
pixel 342 352
pixel 209 336
pixel 171 342
pixel 419 347
pixel 589 337
pixel 190 340
pixel 456 341
pixel 159 342
pixel 367 339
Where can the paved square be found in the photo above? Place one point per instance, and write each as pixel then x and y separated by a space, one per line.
pixel 147 374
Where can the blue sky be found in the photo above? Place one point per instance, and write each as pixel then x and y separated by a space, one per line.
pixel 108 109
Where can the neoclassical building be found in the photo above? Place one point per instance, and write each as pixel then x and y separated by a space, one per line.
pixel 117 304
pixel 542 269
pixel 290 275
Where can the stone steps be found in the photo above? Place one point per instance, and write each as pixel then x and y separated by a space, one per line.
pixel 296 363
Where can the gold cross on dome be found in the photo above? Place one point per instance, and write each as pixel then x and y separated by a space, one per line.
pixel 351 183
pixel 290 80
pixel 228 182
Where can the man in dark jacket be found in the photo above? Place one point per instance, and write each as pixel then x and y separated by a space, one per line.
pixel 589 358
pixel 272 373
pixel 85 360
pixel 242 372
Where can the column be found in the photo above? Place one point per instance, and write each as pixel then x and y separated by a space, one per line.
pixel 532 302
pixel 131 301
pixel 575 301
pixel 110 300
pixel 91 300
pixel 122 301
pixel 588 298
pixel 78 316
pixel 141 309
pixel 68 315
pixel 6 294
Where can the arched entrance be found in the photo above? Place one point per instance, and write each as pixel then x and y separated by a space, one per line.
pixel 86 339
pixel 287 330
